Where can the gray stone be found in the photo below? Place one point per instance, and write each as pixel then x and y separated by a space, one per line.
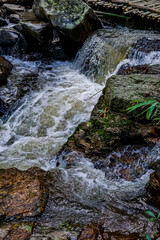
pixel 42 36
pixel 73 17
pixel 13 8
pixel 12 43
pixel 121 90
pixel 14 18
pixel 5 69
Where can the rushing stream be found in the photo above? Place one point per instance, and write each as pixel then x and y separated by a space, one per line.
pixel 60 99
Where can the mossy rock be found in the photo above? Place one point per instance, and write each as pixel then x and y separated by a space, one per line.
pixel 121 90
pixel 74 18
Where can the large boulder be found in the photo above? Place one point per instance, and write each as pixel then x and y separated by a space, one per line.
pixel 121 90
pixel 12 43
pixel 41 36
pixel 98 57
pixel 5 69
pixel 22 193
pixel 73 17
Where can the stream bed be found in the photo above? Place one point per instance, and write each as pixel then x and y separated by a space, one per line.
pixel 61 97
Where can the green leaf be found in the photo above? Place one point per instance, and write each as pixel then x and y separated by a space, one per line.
pixel 130 109
pixel 156 110
pixel 152 108
pixel 150 214
pixel 101 110
pixel 148 237
pixel 152 219
pixel 89 124
pixel 158 215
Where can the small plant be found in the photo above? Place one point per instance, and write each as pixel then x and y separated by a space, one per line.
pixel 153 218
pixel 103 112
pixel 148 237
pixel 150 107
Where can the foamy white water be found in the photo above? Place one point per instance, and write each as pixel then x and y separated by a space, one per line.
pixel 48 116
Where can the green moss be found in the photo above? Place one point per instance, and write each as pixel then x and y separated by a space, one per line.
pixel 27 227
pixel 67 227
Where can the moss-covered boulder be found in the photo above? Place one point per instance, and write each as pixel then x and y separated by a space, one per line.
pixel 73 17
pixel 121 90
pixel 110 126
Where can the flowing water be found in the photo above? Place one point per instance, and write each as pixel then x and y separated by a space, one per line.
pixel 60 99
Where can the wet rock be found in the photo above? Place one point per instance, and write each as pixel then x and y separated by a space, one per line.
pixel 41 36
pixel 5 69
pixel 144 45
pixel 127 69
pixel 14 18
pixel 22 193
pixel 23 2
pixel 56 235
pixel 145 51
pixel 90 232
pixel 21 231
pixel 14 231
pixel 3 107
pixel 13 8
pixel 3 22
pixel 153 187
pixel 120 236
pixel 12 43
pixel 97 57
pixel 74 18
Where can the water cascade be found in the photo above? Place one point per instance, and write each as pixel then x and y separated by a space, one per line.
pixel 62 97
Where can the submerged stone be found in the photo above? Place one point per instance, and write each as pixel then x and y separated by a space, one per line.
pixel 74 18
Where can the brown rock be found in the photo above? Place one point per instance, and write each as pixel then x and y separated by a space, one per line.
pixel 5 69
pixel 94 232
pixel 22 193
pixel 153 187
pixel 21 231
pixel 120 236
pixel 90 232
